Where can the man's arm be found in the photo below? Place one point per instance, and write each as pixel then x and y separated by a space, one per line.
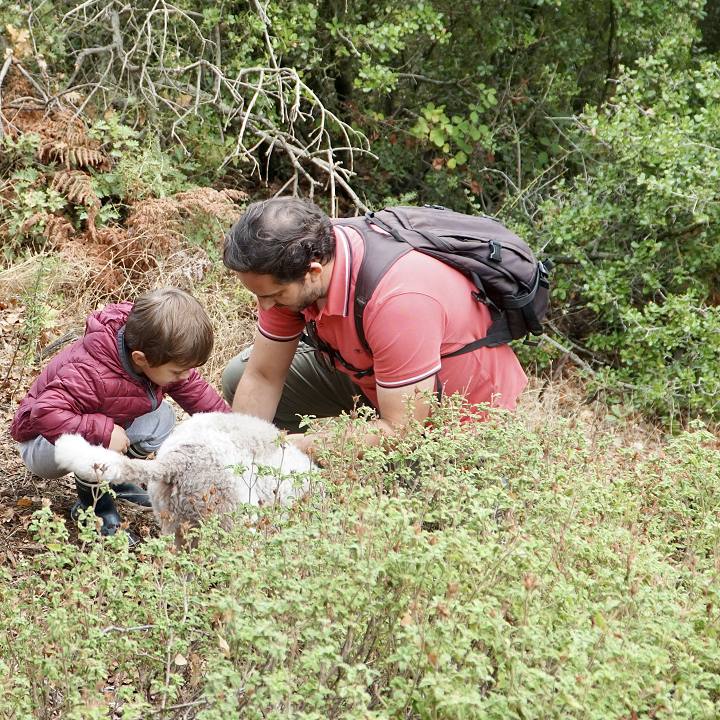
pixel 260 387
pixel 398 406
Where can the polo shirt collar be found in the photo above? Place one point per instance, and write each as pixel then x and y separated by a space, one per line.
pixel 338 297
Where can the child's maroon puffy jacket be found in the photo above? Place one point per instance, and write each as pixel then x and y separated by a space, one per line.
pixel 90 386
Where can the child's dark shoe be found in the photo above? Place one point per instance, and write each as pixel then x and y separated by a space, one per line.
pixel 132 493
pixel 103 505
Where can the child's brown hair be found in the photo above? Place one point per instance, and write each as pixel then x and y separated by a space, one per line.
pixel 170 325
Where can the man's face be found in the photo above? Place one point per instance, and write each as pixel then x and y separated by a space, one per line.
pixel 270 292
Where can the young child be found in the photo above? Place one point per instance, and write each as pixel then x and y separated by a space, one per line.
pixel 108 386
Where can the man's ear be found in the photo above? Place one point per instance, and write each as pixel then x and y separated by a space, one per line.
pixel 315 267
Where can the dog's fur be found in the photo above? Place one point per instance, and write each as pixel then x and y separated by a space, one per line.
pixel 210 463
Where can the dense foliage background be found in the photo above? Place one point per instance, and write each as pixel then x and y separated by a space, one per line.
pixel 590 127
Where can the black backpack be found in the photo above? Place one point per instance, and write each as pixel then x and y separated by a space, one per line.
pixel 507 276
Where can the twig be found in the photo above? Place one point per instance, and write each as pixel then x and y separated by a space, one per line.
pixel 194 703
pixel 3 73
pixel 266 23
pixel 32 81
pixel 426 79
pixel 85 53
pixel 573 356
pixel 117 628
pixel 333 204
pixel 141 52
pixel 55 345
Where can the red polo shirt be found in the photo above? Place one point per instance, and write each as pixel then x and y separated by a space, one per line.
pixel 420 310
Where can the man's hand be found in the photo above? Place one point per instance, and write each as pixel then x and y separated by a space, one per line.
pixel 302 441
pixel 397 407
pixel 119 440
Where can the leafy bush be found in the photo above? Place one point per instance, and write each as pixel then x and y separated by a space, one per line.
pixel 639 232
pixel 482 571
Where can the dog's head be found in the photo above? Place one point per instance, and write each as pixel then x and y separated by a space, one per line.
pixel 193 488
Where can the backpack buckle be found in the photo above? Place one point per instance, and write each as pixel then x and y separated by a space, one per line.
pixel 495 251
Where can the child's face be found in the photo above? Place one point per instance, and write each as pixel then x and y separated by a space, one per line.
pixel 169 372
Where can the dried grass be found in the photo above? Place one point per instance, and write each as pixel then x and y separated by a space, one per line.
pixel 568 397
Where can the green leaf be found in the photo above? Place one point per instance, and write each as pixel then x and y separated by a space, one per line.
pixel 437 136
pixel 460 158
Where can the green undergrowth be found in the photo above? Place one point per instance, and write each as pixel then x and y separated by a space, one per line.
pixel 484 571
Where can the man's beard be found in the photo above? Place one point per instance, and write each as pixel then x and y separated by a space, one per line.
pixel 310 298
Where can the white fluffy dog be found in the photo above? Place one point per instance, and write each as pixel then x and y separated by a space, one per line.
pixel 210 463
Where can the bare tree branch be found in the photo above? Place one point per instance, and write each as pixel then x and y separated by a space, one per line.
pixel 160 61
pixel 3 73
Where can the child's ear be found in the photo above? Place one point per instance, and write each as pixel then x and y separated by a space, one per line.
pixel 138 357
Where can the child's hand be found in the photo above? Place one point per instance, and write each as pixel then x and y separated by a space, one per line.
pixel 119 440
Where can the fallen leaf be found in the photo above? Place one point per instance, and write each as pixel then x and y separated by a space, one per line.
pixel 223 645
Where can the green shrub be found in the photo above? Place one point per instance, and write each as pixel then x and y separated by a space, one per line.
pixel 471 572
pixel 639 234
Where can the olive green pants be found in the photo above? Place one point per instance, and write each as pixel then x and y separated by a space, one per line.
pixel 310 388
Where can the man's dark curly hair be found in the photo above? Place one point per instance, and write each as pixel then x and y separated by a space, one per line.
pixel 279 237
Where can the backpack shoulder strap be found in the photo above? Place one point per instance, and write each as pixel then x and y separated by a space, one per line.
pixel 381 252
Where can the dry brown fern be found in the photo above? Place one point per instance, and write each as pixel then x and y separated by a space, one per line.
pixel 158 226
pixel 77 187
pixel 58 230
pixel 223 205
pixel 55 228
pixel 64 140
pixel 33 221
pixel 72 156
pixel 63 136
pixel 153 229
pixel 156 223
pixel 102 276
pixel 237 196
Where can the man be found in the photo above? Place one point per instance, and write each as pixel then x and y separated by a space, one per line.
pixel 303 270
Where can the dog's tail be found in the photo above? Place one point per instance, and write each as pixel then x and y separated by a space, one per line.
pixel 97 464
